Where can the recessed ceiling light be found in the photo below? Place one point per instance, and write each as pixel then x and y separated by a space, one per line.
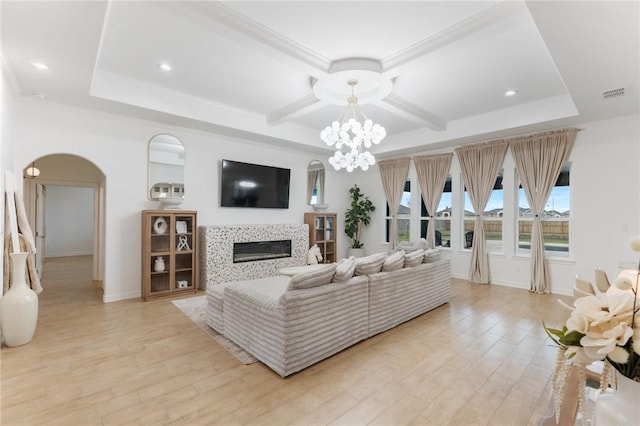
pixel 164 66
pixel 510 92
pixel 39 65
pixel 38 95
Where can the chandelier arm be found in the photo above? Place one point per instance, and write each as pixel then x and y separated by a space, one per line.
pixel 344 117
pixel 364 116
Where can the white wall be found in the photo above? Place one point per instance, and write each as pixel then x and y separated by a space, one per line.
pixel 604 178
pixel 69 221
pixel 605 209
pixel 118 147
pixel 7 141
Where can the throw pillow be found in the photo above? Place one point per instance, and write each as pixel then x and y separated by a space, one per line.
pixel 370 264
pixel 423 244
pixel 413 258
pixel 394 261
pixel 311 279
pixel 345 269
pixel 431 255
pixel 408 246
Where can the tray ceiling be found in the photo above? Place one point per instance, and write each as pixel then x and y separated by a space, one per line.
pixel 433 73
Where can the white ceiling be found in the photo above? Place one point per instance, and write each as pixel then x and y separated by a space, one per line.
pixel 433 73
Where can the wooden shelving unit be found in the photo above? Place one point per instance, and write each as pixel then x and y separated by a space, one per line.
pixel 169 252
pixel 322 231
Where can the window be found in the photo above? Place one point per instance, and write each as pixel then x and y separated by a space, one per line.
pixel 442 217
pixel 314 195
pixel 492 218
pixel 403 216
pixel 555 218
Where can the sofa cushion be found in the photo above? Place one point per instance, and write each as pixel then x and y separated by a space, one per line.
pixel 345 269
pixel 394 261
pixel 370 264
pixel 408 246
pixel 413 258
pixel 314 278
pixel 431 255
pixel 292 271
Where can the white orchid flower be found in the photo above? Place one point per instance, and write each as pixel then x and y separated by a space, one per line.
pixel 581 356
pixel 619 355
pixel 604 337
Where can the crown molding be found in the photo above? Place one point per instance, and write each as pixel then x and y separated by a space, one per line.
pixel 485 21
pixel 212 15
pixel 302 106
pixel 403 108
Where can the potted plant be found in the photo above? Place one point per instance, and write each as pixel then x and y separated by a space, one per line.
pixel 357 216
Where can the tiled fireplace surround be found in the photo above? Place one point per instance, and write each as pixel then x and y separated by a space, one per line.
pixel 216 251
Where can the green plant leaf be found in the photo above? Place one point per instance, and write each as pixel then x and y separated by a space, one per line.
pixel 572 339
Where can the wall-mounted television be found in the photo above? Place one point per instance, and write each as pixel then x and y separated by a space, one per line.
pixel 254 185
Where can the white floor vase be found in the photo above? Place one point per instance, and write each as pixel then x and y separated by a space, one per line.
pixel 622 407
pixel 19 306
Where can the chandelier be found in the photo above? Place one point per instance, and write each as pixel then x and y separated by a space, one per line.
pixel 354 137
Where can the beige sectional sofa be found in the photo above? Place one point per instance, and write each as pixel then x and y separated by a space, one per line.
pixel 291 323
pixel 300 327
pixel 398 296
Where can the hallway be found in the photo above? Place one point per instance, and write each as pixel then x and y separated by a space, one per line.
pixel 67 281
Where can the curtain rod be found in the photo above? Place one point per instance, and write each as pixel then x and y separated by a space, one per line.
pixel 524 136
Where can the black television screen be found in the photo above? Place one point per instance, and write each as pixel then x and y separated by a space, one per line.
pixel 254 185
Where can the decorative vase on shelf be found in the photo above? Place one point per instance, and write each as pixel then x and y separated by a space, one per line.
pixel 160 225
pixel 19 306
pixel 621 407
pixel 158 266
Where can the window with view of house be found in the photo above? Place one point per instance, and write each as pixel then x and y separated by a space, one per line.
pixel 555 218
pixel 442 217
pixel 403 216
pixel 492 218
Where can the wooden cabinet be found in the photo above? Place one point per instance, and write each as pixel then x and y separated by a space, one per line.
pixel 169 252
pixel 322 231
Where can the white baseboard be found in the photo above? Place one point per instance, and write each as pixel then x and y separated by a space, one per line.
pixel 521 286
pixel 70 253
pixel 121 296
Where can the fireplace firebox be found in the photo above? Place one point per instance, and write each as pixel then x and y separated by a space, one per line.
pixel 261 250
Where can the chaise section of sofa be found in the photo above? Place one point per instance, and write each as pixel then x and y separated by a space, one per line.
pixel 289 330
pixel 398 296
pixel 215 296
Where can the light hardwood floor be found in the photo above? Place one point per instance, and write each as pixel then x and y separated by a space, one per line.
pixel 483 359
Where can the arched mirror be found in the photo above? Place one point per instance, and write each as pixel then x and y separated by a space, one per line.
pixel 166 169
pixel 315 183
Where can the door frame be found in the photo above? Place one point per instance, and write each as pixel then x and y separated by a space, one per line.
pixel 29 189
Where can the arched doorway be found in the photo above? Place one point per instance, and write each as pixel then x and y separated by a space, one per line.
pixel 66 197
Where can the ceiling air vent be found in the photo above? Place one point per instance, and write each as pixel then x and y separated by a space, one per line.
pixel 613 93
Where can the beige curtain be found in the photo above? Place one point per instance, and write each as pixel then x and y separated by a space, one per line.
pixel 539 159
pixel 480 165
pixel 394 174
pixel 321 186
pixel 432 173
